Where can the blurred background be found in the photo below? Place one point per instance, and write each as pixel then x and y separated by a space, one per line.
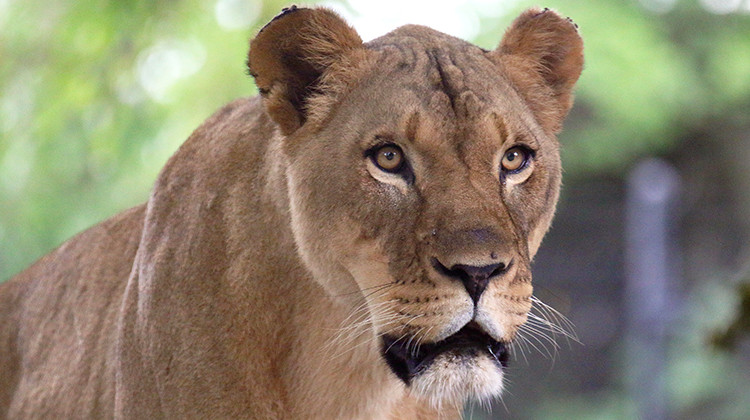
pixel 651 238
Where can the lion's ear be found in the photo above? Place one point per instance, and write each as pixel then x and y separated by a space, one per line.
pixel 543 55
pixel 290 55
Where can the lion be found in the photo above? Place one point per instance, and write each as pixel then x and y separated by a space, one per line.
pixel 353 243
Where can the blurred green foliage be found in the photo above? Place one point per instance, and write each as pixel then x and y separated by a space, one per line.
pixel 95 95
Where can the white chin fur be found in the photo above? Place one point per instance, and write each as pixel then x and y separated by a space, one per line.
pixel 451 380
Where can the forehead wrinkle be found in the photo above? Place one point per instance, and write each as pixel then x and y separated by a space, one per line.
pixel 500 127
pixel 437 73
pixel 446 89
pixel 412 126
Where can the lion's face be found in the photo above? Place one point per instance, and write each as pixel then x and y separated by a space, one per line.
pixel 430 189
pixel 425 189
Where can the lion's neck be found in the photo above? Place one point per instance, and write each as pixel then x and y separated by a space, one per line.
pixel 334 368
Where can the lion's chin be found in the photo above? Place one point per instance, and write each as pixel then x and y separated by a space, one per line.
pixel 453 379
pixel 467 365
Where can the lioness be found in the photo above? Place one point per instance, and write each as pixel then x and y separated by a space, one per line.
pixel 352 244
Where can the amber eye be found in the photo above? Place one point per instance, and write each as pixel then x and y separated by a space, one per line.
pixel 515 159
pixel 389 158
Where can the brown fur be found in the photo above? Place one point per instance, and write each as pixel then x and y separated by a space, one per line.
pixel 272 254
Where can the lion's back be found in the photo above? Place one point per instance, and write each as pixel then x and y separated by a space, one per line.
pixel 59 361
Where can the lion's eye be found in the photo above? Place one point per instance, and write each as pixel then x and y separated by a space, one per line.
pixel 389 158
pixel 515 159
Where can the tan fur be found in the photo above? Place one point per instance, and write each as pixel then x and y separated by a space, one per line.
pixel 272 254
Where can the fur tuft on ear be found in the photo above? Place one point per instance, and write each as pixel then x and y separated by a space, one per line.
pixel 543 55
pixel 290 57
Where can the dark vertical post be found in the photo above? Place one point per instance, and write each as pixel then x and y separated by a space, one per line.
pixel 650 258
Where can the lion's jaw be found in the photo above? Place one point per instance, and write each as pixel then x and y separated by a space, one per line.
pixel 445 347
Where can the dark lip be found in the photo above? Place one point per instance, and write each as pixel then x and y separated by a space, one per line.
pixel 406 363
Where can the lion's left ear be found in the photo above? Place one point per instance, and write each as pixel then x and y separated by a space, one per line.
pixel 291 54
pixel 543 55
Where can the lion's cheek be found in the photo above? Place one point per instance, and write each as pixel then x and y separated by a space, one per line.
pixel 319 240
pixel 333 247
pixel 534 202
pixel 365 261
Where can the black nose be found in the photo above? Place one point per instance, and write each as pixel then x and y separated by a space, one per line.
pixel 475 279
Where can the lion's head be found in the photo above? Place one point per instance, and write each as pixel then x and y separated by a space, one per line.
pixel 423 172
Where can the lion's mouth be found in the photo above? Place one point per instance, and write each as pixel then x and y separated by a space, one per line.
pixel 408 360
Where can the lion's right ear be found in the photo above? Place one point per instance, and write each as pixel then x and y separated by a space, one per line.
pixel 291 54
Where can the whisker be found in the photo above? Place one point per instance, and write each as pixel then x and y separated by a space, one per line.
pixel 364 316
pixel 521 343
pixel 540 343
pixel 546 325
pixel 541 328
pixel 540 334
pixel 347 348
pixel 554 317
